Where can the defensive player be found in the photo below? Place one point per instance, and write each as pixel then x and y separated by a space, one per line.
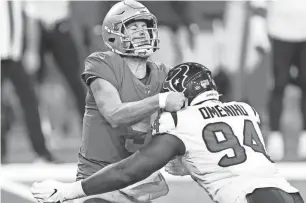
pixel 219 144
pixel 123 93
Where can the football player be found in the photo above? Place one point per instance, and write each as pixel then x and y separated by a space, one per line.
pixel 219 144
pixel 123 92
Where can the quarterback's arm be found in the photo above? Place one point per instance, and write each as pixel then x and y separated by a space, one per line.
pixel 137 167
pixel 116 112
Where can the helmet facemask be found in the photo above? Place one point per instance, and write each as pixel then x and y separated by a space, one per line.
pixel 125 44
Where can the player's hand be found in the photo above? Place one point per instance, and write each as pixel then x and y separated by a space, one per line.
pixel 174 101
pixel 49 191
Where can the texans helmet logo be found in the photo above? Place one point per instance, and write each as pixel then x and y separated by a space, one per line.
pixel 175 81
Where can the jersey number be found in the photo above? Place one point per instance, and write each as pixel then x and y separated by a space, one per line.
pixel 228 140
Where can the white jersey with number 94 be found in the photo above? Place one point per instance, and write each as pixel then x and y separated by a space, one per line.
pixel 225 152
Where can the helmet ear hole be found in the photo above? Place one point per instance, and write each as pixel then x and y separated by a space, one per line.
pixel 112 40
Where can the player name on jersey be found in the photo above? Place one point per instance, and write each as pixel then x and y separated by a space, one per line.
pixel 224 111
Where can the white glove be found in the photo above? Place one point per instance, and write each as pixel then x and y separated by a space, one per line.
pixel 51 191
pixel 176 167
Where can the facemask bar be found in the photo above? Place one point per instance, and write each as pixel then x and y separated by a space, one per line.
pixel 153 34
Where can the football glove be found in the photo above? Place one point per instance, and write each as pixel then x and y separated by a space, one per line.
pixel 51 191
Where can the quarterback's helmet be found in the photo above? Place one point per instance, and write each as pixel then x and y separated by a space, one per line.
pixel 192 79
pixel 115 23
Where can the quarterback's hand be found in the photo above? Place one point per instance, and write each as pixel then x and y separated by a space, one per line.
pixel 176 167
pixel 174 101
pixel 51 191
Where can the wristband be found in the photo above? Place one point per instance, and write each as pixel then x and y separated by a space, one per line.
pixel 75 191
pixel 162 99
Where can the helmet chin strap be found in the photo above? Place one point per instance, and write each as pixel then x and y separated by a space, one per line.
pixel 208 95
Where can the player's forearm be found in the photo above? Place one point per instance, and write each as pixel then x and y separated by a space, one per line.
pixel 112 177
pixel 133 112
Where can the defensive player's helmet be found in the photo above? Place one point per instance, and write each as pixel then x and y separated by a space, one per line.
pixel 115 23
pixel 192 79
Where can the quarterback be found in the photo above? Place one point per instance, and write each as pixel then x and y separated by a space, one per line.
pixel 219 145
pixel 123 93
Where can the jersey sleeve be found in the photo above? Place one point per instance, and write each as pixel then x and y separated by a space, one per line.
pixel 168 123
pixel 164 123
pixel 98 65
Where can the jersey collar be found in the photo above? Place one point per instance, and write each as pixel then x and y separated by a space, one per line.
pixel 205 96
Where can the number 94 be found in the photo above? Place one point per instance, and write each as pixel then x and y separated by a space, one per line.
pixel 250 139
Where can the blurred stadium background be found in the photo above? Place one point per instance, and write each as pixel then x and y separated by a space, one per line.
pixel 217 35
